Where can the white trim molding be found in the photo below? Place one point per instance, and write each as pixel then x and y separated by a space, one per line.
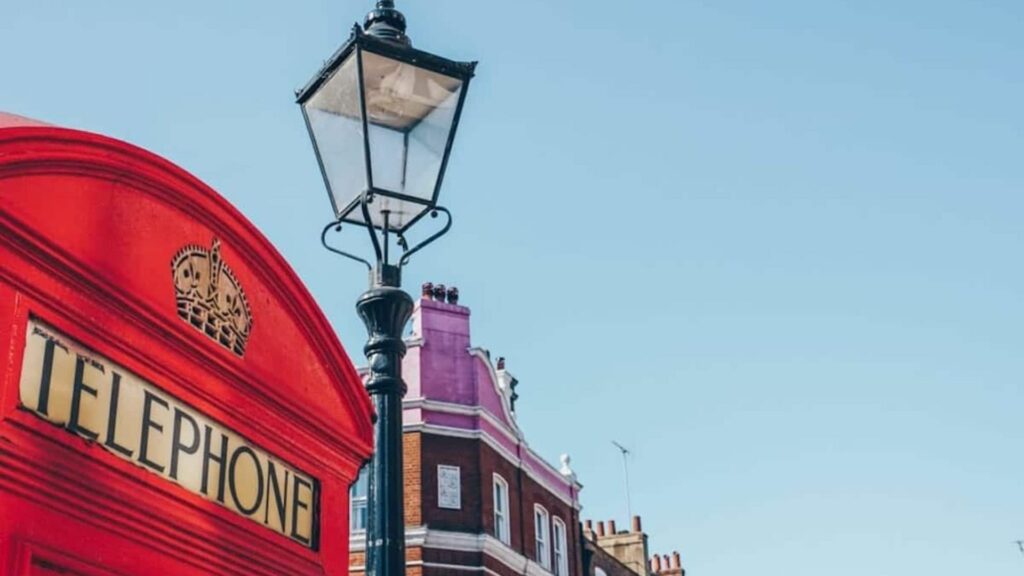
pixel 461 542
pixel 452 432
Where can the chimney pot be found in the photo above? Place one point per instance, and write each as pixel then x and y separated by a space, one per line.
pixel 600 528
pixel 676 561
pixel 453 295
pixel 439 292
pixel 501 366
pixel 611 527
pixel 427 290
pixel 636 524
pixel 656 562
pixel 665 561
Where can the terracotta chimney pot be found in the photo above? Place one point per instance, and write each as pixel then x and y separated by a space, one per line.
pixel 439 292
pixel 600 528
pixel 427 290
pixel 453 295
pixel 636 524
pixel 676 561
pixel 656 563
pixel 611 527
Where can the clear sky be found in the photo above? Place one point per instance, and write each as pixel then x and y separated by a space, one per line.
pixel 773 247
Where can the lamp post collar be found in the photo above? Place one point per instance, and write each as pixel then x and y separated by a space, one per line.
pixel 387 23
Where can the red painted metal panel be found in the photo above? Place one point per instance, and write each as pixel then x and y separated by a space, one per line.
pixel 88 229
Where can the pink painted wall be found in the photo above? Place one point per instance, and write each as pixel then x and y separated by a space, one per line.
pixel 441 367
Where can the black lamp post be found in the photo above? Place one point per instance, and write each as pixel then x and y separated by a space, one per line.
pixel 382 117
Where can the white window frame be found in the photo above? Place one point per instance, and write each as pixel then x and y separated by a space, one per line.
pixel 559 541
pixel 441 468
pixel 500 505
pixel 360 502
pixel 542 536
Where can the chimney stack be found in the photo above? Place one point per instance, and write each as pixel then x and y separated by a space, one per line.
pixel 611 527
pixel 600 527
pixel 636 525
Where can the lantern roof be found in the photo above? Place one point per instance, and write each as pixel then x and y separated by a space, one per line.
pixel 401 52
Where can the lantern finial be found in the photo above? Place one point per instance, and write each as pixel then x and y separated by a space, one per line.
pixel 387 23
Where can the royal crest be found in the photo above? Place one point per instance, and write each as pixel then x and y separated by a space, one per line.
pixel 210 297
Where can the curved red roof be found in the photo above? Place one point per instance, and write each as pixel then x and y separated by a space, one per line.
pixel 13 120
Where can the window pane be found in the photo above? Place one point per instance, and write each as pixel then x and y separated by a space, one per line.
pixel 540 517
pixel 361 486
pixel 357 498
pixel 358 518
pixel 501 528
pixel 561 560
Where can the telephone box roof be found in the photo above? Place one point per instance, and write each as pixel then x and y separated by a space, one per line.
pixel 8 120
pixel 30 144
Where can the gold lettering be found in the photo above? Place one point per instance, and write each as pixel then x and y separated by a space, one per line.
pixel 93 397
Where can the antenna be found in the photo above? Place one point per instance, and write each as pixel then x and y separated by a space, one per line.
pixel 1020 544
pixel 625 467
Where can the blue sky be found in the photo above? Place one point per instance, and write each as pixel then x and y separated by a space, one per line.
pixel 773 247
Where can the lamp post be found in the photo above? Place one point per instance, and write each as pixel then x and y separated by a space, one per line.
pixel 382 117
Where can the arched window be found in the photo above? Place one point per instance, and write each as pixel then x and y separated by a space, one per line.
pixel 541 536
pixel 561 564
pixel 599 572
pixel 501 528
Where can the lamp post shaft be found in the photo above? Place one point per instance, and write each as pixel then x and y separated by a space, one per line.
pixel 385 310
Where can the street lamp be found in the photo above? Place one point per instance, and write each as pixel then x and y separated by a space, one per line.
pixel 382 117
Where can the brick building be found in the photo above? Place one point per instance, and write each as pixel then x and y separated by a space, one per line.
pixel 477 498
pixel 608 551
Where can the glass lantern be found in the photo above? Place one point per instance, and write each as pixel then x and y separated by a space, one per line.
pixel 382 117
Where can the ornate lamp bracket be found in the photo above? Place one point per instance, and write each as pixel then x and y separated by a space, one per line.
pixel 385 273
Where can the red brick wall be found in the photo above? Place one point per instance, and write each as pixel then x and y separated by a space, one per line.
pixel 412 462
pixel 533 493
pixel 461 452
pixel 478 463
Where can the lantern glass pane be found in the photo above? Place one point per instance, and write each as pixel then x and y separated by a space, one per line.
pixel 334 117
pixel 410 112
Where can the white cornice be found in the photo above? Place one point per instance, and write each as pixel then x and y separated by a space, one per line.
pixel 480 412
pixel 483 436
pixel 453 432
pixel 461 410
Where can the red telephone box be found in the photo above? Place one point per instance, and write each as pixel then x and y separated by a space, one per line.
pixel 172 401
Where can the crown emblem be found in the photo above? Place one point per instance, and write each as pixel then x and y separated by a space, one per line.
pixel 210 298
